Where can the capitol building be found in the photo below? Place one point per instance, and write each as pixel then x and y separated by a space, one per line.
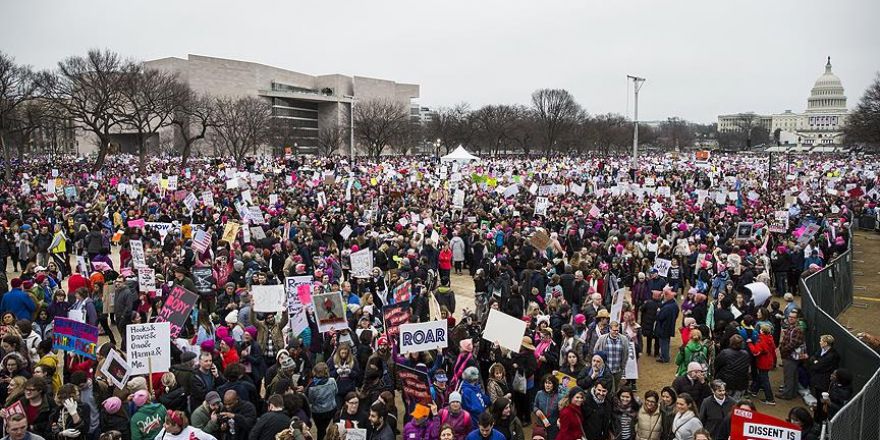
pixel 821 124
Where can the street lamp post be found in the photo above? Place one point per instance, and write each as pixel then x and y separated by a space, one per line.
pixel 637 85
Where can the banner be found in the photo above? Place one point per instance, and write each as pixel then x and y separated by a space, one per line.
pixel 296 311
pixel 116 369
pixel 752 425
pixel 203 278
pixel 177 308
pixel 230 231
pixel 162 228
pixel 137 254
pixel 75 337
pixel 329 311
pixel 504 329
pixel 361 263
pixel 268 299
pixel 146 280
pixel 423 336
pixel 149 347
pixel 416 385
pixel 395 316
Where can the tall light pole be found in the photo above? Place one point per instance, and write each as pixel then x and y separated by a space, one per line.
pixel 637 85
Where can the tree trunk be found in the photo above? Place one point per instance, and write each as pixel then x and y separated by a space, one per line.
pixel 142 153
pixel 7 157
pixel 102 153
pixel 184 154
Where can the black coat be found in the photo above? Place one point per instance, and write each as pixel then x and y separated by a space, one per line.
pixel 597 417
pixel 821 368
pixel 268 425
pixel 666 317
pixel 732 366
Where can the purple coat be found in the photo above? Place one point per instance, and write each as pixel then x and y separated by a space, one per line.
pixel 428 430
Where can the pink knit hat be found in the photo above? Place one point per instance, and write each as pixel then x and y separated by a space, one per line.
pixel 140 398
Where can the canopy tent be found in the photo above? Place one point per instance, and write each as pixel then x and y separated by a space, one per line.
pixel 459 155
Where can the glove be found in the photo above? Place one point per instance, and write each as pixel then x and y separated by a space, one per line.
pixel 70 433
pixel 70 406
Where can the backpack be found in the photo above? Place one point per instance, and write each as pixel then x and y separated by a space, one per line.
pixel 701 358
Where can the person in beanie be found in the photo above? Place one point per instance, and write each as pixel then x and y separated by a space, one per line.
pixel 456 417
pixel 424 421
pixel 148 418
pixel 201 417
pixel 114 418
pixel 177 428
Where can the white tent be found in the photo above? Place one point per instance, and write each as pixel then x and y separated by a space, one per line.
pixel 459 155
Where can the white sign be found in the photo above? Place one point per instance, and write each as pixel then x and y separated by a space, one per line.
pixel 662 266
pixel 208 198
pixel 296 310
pixel 191 202
pixel 149 347
pixel 458 199
pixel 146 279
pixel 631 371
pixel 423 336
pixel 257 233
pixel 617 305
pixel 172 182
pixel 760 293
pixel 269 298
pixel 137 254
pixel 504 329
pixel 361 263
pixel 232 183
pixel 116 369
pixel 345 232
pixel 541 205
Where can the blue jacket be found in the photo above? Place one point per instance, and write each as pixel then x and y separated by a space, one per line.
pixel 475 435
pixel 473 400
pixel 19 303
pixel 664 327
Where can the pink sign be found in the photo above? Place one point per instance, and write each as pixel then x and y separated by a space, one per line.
pixel 136 223
pixel 304 292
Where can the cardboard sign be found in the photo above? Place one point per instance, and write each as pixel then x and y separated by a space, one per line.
pixel 149 347
pixel 230 232
pixel 662 265
pixel 296 309
pixel 749 425
pixel 75 337
pixel 540 240
pixel 177 308
pixel 361 263
pixel 416 385
pixel 779 223
pixel 116 369
pixel 329 311
pixel 137 253
pixel 504 329
pixel 423 336
pixel 146 280
pixel 203 279
pixel 268 299
pixel 394 316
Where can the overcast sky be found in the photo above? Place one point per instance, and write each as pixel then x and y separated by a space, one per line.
pixel 701 57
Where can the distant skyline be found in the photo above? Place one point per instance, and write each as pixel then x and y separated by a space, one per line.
pixel 701 59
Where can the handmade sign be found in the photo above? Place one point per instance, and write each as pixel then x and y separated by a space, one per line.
pixel 565 381
pixel 745 231
pixel 149 347
pixel 203 278
pixel 662 265
pixel 458 199
pixel 345 232
pixel 295 307
pixel 137 253
pixel 75 337
pixel 394 316
pixel 402 292
pixel 760 293
pixel 201 241
pixel 504 329
pixel 423 336
pixel 230 231
pixel 361 263
pixel 416 385
pixel 177 308
pixel 208 198
pixel 146 279
pixel 116 369
pixel 779 223
pixel 267 299
pixel 540 240
pixel 541 205
pixel 329 311
pixel 748 425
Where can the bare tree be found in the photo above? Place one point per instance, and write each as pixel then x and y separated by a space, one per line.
pixel 242 125
pixel 747 123
pixel 863 124
pixel 556 109
pixel 331 139
pixel 89 91
pixel 452 126
pixel 410 135
pixel 525 130
pixel 607 132
pixel 150 100
pixel 495 123
pixel 377 123
pixel 675 133
pixel 194 115
pixel 16 88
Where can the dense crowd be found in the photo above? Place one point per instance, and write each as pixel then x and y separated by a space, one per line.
pixel 614 269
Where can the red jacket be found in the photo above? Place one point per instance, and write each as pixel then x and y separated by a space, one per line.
pixel 764 351
pixel 570 423
pixel 445 260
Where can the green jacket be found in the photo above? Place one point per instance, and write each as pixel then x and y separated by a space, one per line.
pixel 686 354
pixel 201 418
pixel 148 421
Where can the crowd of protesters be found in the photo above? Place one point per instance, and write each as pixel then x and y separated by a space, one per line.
pixel 602 227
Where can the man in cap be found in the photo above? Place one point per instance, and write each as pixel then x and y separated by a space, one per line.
pixel 202 416
pixel 693 383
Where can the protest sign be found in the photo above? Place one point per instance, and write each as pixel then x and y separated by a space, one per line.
pixel 176 309
pixel 745 231
pixel 172 183
pixel 268 298
pixel 15 408
pixel 208 198
pixel 203 278
pixel 329 311
pixel 748 425
pixel 423 336
pixel 345 232
pixel 75 337
pixel 257 233
pixel 617 305
pixel 162 228
pixel 191 202
pixel 631 370
pixel 146 279
pixel 809 231
pixel 255 215
pixel 394 316
pixel 504 329
pixel 779 223
pixel 201 241
pixel 540 240
pixel 760 293
pixel 116 369
pixel 70 192
pixel 565 381
pixel 595 212
pixel 361 263
pixel 662 265
pixel 458 199
pixel 137 253
pixel 402 292
pixel 296 310
pixel 230 232
pixel 416 385
pixel 149 347
pixel 541 205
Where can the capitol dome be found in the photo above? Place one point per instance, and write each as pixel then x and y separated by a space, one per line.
pixel 827 93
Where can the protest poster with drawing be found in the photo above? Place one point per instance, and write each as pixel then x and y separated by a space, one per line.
pixel 329 311
pixel 203 278
pixel 745 231
pixel 116 369
pixel 296 308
